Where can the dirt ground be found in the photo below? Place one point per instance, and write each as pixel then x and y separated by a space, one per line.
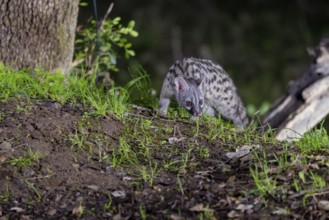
pixel 69 183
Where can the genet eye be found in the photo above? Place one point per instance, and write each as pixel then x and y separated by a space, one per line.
pixel 188 104
pixel 201 102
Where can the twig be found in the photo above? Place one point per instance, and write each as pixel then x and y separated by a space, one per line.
pixel 310 193
pixel 101 24
pixel 142 108
pixel 139 116
pixel 75 63
pixel 40 177
pixel 92 57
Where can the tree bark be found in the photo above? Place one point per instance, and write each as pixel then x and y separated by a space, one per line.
pixel 38 33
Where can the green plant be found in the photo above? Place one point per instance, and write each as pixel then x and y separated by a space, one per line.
pixel 265 184
pixel 180 185
pixel 142 212
pixel 185 160
pixel 252 110
pixel 107 205
pixel 197 127
pixel 296 185
pixel 28 159
pixel 116 100
pixel 317 181
pixel 314 141
pixel 283 158
pixel 124 154
pixel 207 214
pixel 216 127
pixel 6 195
pixel 101 50
pixel 31 187
pixel 204 152
pixel 140 88
pixel 148 173
pixel 77 140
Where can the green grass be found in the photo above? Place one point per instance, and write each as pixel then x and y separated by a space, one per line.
pixel 124 154
pixel 5 196
pixel 34 190
pixel 297 163
pixel 315 141
pixel 261 174
pixel 28 159
pixel 63 89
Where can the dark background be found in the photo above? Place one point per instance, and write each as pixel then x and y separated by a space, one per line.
pixel 261 44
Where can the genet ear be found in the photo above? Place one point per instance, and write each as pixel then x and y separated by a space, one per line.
pixel 180 84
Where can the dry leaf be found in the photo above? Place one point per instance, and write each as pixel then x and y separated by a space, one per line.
pixel 231 180
pixel 243 207
pixel 197 208
pixel 176 217
pixel 314 166
pixel 119 217
pixel 320 158
pixel 233 214
pixel 221 185
pixel 200 208
pixel 77 210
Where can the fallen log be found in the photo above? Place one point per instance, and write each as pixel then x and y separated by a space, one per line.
pixel 306 102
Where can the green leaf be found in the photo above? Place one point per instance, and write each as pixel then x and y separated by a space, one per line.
pixel 133 33
pixel 116 20
pixel 83 4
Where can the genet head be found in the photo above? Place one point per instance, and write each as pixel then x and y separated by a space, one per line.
pixel 189 95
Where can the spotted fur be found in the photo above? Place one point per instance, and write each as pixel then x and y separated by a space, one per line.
pixel 202 86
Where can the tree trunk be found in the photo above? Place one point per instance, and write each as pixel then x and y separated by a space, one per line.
pixel 38 33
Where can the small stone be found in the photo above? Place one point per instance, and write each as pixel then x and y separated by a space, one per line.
pixel 16 209
pixel 173 140
pixel 52 212
pixel 118 194
pixel 5 146
pixel 63 206
pixel 57 105
pixel 28 172
pixel 324 205
pixel 54 105
pixel 76 165
pixel 93 187
pixel 29 127
pixel 280 211
pixel 36 134
pixel 238 154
